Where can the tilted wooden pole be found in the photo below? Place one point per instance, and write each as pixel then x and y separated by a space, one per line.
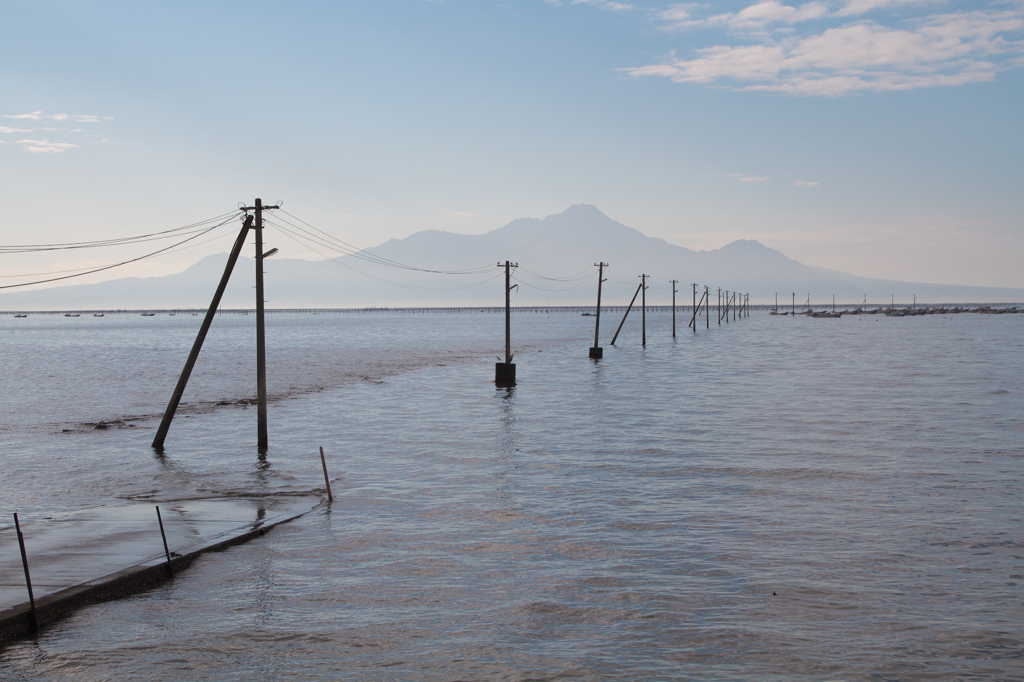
pixel 165 424
pixel 627 313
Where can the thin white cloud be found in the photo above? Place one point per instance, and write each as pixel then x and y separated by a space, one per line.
pixel 857 7
pixel 5 129
pixel 34 116
pixel 46 147
pixel 603 4
pixel 743 177
pixel 77 118
pixel 858 56
pixel 806 183
pixel 461 213
pixel 755 17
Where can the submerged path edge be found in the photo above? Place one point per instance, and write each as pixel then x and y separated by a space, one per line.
pixel 15 622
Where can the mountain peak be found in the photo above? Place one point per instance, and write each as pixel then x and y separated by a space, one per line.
pixel 583 211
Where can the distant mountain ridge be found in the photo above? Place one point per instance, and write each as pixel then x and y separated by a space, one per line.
pixel 557 246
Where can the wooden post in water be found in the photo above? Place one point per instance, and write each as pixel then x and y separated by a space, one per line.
pixel 33 622
pixel 674 282
pixel 327 481
pixel 172 406
pixel 643 313
pixel 707 312
pixel 505 372
pixel 261 342
pixel 627 314
pixel 597 352
pixel 167 551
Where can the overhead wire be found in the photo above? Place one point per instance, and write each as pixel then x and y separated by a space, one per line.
pixel 89 267
pixel 362 254
pixel 582 274
pixel 118 241
pixel 291 235
pixel 330 242
pixel 532 286
pixel 132 260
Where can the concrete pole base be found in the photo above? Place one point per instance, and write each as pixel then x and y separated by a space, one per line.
pixel 597 353
pixel 505 374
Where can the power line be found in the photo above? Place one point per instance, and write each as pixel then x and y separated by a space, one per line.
pixel 120 241
pixel 291 235
pixel 349 249
pixel 115 265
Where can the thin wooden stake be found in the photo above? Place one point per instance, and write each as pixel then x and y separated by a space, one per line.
pixel 167 552
pixel 33 623
pixel 327 481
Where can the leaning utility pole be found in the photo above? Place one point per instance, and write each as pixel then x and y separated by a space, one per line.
pixel 172 406
pixel 628 308
pixel 674 282
pixel 597 352
pixel 505 372
pixel 707 313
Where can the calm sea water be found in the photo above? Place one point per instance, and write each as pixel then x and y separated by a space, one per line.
pixel 791 499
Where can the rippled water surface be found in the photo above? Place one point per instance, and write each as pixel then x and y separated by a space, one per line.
pixel 792 499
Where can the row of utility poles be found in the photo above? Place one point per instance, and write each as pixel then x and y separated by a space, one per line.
pixel 734 302
pixel 504 372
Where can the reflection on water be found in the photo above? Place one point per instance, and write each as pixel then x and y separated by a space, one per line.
pixel 778 499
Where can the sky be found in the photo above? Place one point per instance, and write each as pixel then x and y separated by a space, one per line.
pixel 884 138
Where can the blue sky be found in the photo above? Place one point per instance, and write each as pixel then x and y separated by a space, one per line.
pixel 880 137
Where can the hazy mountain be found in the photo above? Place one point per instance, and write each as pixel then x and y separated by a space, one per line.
pixel 556 247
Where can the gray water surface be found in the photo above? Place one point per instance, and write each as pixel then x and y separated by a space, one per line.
pixel 793 498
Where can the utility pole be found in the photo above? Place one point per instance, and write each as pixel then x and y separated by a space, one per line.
pixel 643 308
pixel 261 341
pixel 630 307
pixel 794 304
pixel 696 307
pixel 172 406
pixel 597 352
pixel 505 372
pixel 674 282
